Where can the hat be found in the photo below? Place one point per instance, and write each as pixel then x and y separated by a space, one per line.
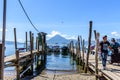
pixel 113 39
pixel 104 36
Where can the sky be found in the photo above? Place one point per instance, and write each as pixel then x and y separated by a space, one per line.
pixel 68 18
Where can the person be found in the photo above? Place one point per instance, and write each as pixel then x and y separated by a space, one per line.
pixel 104 46
pixel 115 57
pixel 114 46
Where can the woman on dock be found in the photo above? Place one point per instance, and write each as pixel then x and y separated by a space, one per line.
pixel 115 56
pixel 104 45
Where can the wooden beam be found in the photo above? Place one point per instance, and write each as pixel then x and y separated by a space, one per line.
pixel 89 43
pixel 17 66
pixel 26 42
pixel 96 52
pixel 3 41
pixel 83 53
pixel 31 48
pixel 15 39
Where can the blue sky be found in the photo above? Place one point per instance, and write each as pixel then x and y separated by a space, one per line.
pixel 68 18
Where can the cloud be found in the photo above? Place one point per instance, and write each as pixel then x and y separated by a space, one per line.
pixel 115 34
pixel 2 30
pixel 53 33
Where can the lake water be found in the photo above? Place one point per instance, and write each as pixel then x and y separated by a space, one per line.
pixel 10 49
pixel 55 61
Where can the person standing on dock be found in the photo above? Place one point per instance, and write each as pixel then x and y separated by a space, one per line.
pixel 114 46
pixel 104 45
pixel 115 56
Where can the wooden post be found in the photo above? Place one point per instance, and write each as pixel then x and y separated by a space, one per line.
pixel 32 41
pixel 17 56
pixel 79 53
pixel 36 43
pixel 26 43
pixel 43 47
pixel 76 50
pixel 31 48
pixel 96 53
pixel 1 66
pixel 83 53
pixel 80 45
pixel 80 42
pixel 3 42
pixel 44 40
pixel 17 65
pixel 89 43
pixel 95 35
pixel 15 39
pixel 72 48
pixel 38 53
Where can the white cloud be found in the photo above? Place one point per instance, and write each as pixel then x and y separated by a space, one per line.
pixel 115 34
pixel 2 30
pixel 53 33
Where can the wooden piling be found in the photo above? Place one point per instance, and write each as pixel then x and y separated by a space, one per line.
pixel 89 43
pixel 3 41
pixel 36 43
pixel 38 53
pixel 15 39
pixel 1 66
pixel 79 51
pixel 43 47
pixel 72 49
pixel 31 48
pixel 83 53
pixel 95 35
pixel 17 65
pixel 76 46
pixel 26 42
pixel 32 41
pixel 44 41
pixel 80 42
pixel 96 53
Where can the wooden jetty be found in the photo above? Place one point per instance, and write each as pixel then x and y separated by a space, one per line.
pixel 111 73
pixel 24 60
pixel 12 58
pixel 92 62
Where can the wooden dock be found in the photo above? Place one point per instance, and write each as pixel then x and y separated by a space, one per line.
pixel 12 58
pixel 26 59
pixel 112 72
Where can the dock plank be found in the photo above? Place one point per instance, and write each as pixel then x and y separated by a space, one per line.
pixel 112 71
pixel 21 55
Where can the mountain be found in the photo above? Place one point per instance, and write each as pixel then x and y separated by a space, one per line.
pixel 57 39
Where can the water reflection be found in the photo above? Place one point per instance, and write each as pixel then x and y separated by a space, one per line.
pixel 59 61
